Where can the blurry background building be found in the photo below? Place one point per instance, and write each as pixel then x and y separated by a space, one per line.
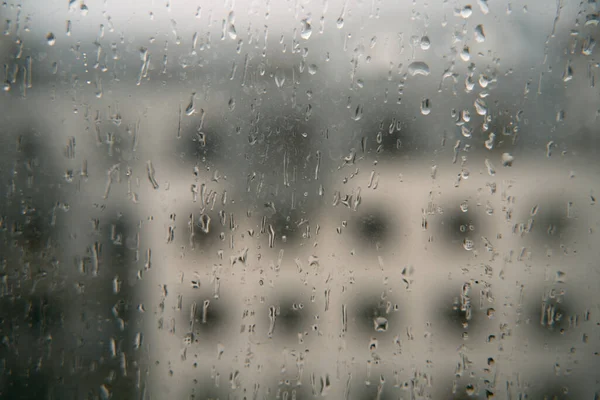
pixel 299 199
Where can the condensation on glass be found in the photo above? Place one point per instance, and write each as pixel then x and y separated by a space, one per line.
pixel 299 199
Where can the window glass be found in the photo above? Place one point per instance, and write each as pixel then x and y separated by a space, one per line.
pixel 340 199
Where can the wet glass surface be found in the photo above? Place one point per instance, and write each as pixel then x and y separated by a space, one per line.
pixel 299 199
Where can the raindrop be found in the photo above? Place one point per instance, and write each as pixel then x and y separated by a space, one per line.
pixel 470 390
pixel 306 29
pixel 468 244
pixel 568 73
pixel 466 131
pixel 469 83
pixel 188 339
pixel 358 113
pixel 231 28
pixel 425 107
pixel 479 34
pixel 373 344
pixel 534 210
pixel 205 306
pixel 466 12
pixel 465 55
pixel 312 69
pixel 380 324
pixel 105 392
pixel 481 107
pixel 418 68
pixel 592 20
pixel 425 43
pixel 549 146
pixel 204 223
pixel 201 138
pixel 189 110
pixel 51 39
pixel 279 78
pixel 340 23
pixel 151 174
pixel 507 160
pixel 588 46
pixel 483 6
pixel 490 167
pixel 489 144
pixel 484 81
pixel 465 115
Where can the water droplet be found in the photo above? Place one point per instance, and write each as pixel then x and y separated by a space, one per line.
pixel 549 146
pixel 306 29
pixel 358 113
pixel 425 107
pixel 479 34
pixel 588 46
pixel 418 68
pixel 507 160
pixel 312 69
pixel 231 26
pixel 534 210
pixel 105 392
pixel 204 223
pixel 489 144
pixel 466 12
pixel 484 81
pixel 151 174
pixel 116 285
pixel 373 344
pixel 279 78
pixel 84 9
pixel 465 55
pixel 51 39
pixel 425 43
pixel 470 390
pixel 188 339
pixel 231 104
pixel 592 20
pixel 465 115
pixel 490 167
pixel 380 324
pixel 483 6
pixel 481 107
pixel 468 244
pixel 189 110
pixel 466 131
pixel 568 73
pixel 469 84
pixel 340 22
